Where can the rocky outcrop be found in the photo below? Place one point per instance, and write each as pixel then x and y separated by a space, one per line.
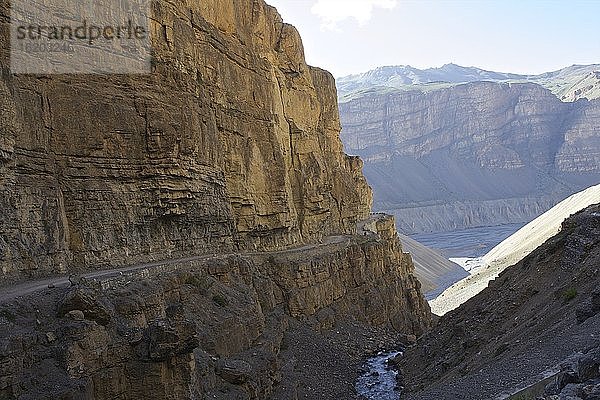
pixel 473 147
pixel 579 378
pixel 203 328
pixel 536 314
pixel 231 143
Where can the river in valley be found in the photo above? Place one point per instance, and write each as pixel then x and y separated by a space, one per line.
pixel 472 242
pixel 378 381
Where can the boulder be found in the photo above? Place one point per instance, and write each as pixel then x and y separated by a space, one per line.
pixel 234 371
pixel 589 307
pixel 89 302
pixel 167 339
pixel 76 315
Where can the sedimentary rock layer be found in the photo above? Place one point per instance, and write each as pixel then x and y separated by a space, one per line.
pixel 456 215
pixel 210 328
pixel 467 146
pixel 231 143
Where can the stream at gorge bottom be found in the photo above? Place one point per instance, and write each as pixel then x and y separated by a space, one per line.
pixel 378 380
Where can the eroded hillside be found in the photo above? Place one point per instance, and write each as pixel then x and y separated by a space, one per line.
pixel 535 315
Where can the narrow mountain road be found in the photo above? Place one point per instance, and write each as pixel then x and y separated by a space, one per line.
pixel 10 293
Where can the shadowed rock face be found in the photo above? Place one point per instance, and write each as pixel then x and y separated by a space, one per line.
pixel 222 327
pixel 232 142
pixel 535 314
pixel 488 148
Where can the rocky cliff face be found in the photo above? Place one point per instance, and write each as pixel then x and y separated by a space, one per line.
pixel 474 146
pixel 216 327
pixel 230 146
pixel 231 143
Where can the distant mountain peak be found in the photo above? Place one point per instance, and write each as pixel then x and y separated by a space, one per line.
pixel 568 84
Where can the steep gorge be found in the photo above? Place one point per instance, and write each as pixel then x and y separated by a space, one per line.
pixel 217 327
pixel 207 215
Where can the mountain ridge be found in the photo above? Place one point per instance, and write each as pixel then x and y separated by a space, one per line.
pixel 568 84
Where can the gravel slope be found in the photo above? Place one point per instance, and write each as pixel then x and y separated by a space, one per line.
pixel 434 271
pixel 536 314
pixel 513 249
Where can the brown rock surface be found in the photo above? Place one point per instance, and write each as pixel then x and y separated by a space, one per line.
pixel 214 327
pixel 230 149
pixel 231 143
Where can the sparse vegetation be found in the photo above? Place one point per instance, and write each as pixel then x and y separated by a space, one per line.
pixel 202 283
pixel 220 300
pixel 8 315
pixel 570 294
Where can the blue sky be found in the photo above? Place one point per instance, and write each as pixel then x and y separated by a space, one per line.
pixel 520 36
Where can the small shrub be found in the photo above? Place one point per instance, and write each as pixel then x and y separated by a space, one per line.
pixel 570 294
pixel 220 300
pixel 201 283
pixel 8 315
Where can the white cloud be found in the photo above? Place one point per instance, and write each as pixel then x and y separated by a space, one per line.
pixel 331 12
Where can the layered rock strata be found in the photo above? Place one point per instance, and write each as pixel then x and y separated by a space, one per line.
pixel 225 165
pixel 475 154
pixel 204 328
pixel 231 143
